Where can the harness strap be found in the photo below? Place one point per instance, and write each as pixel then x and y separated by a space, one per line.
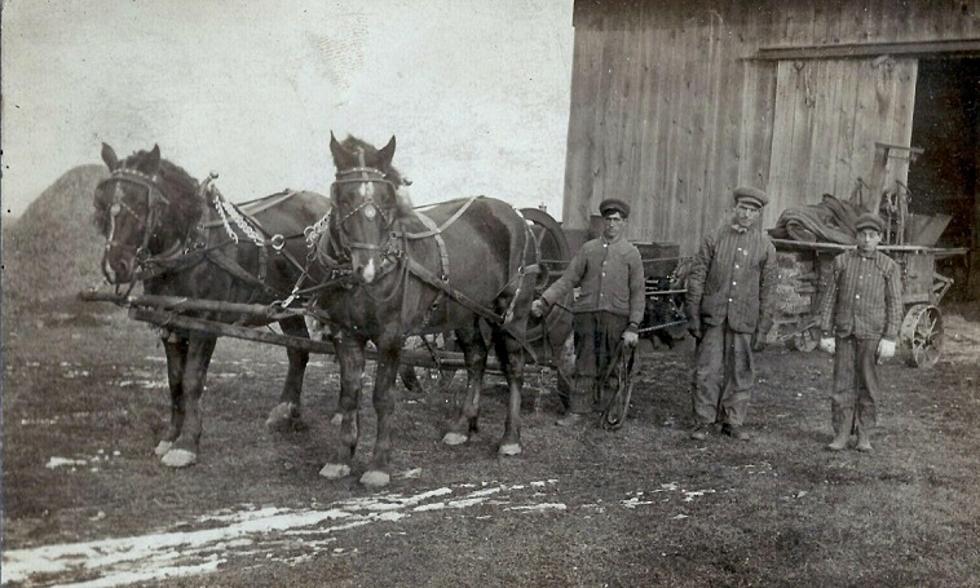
pixel 420 272
pixel 433 230
pixel 237 271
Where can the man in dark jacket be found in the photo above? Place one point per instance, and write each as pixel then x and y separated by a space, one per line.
pixel 608 310
pixel 729 292
pixel 860 315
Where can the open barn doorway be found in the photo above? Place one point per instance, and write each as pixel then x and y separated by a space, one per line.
pixel 944 180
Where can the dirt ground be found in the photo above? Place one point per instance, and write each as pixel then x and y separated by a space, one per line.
pixel 86 502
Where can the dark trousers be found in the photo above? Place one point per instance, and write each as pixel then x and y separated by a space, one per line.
pixel 597 337
pixel 723 376
pixel 855 383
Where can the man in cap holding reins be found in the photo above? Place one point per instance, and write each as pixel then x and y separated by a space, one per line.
pixel 607 312
pixel 860 315
pixel 729 299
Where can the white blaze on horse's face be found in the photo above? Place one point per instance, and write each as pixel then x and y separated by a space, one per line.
pixel 367 274
pixel 366 192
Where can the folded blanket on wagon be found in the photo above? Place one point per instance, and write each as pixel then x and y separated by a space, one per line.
pixel 830 221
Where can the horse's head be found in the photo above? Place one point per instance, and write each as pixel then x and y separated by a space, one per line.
pixel 146 206
pixel 366 205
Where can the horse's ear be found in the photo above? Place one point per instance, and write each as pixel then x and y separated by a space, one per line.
pixel 342 158
pixel 151 165
pixel 109 157
pixel 386 154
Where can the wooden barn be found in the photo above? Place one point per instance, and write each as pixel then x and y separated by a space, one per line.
pixel 675 103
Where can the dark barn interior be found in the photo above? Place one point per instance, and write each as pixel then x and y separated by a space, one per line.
pixel 943 180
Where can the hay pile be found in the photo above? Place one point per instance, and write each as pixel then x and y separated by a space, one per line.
pixel 53 250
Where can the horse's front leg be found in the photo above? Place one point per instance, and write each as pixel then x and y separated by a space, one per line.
pixel 389 358
pixel 510 353
pixel 466 420
pixel 184 450
pixel 176 350
pixel 285 416
pixel 350 357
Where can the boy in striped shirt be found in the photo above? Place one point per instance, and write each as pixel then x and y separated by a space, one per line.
pixel 860 314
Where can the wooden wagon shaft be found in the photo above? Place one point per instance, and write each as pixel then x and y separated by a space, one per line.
pixel 425 359
pixel 184 304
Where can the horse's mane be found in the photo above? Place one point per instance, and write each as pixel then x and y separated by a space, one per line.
pixel 178 186
pixel 352 144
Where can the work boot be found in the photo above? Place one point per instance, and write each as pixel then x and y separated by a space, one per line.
pixel 570 419
pixel 735 432
pixel 700 431
pixel 864 443
pixel 843 431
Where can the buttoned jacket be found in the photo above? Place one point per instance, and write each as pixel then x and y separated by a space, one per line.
pixel 732 278
pixel 610 275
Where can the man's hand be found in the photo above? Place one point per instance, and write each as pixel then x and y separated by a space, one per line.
pixel 758 341
pixel 694 327
pixel 886 349
pixel 630 338
pixel 538 307
pixel 828 344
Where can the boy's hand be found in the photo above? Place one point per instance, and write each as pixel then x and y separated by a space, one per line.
pixel 828 345
pixel 630 338
pixel 886 349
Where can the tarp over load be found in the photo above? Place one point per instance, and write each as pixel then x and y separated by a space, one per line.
pixel 830 221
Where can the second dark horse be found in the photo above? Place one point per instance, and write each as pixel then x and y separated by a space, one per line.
pixel 160 230
pixel 450 266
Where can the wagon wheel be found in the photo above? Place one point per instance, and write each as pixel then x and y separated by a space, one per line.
pixel 555 254
pixel 550 238
pixel 922 332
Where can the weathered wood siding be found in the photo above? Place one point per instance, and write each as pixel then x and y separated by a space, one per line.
pixel 671 108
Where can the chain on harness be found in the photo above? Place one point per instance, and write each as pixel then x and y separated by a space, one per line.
pixel 230 214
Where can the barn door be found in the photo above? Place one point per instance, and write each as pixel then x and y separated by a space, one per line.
pixel 828 115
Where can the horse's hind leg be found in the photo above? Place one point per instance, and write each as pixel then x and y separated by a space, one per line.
pixel 350 358
pixel 176 350
pixel 510 353
pixel 466 420
pixel 185 447
pixel 389 358
pixel 285 416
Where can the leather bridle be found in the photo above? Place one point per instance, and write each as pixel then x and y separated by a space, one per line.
pixel 155 202
pixel 367 177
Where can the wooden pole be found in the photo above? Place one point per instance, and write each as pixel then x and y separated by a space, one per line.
pixel 413 357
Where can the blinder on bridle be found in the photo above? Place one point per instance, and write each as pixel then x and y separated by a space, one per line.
pixel 155 200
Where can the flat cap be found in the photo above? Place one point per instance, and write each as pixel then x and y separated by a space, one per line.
pixel 869 220
pixel 614 204
pixel 750 195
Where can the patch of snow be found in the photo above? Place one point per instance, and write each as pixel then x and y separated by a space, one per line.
pixel 544 506
pixel 59 462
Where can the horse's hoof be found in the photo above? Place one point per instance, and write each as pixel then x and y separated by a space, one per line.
pixel 335 471
pixel 284 418
pixel 179 458
pixel 452 438
pixel 337 419
pixel 509 449
pixel 162 448
pixel 375 479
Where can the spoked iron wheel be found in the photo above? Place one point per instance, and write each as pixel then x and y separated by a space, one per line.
pixel 922 332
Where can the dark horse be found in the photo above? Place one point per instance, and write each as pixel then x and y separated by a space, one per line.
pixel 452 266
pixel 162 230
